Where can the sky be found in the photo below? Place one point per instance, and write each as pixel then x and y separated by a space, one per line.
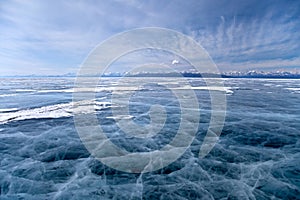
pixel 54 37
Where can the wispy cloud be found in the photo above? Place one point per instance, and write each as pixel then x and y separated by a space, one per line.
pixel 47 35
pixel 55 36
pixel 238 44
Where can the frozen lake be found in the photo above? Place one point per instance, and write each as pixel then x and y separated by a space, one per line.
pixel 256 157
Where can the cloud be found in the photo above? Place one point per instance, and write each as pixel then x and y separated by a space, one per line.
pixel 58 35
pixel 175 62
pixel 271 64
pixel 258 41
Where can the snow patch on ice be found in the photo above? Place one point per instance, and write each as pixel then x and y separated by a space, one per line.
pixel 53 111
pixel 118 117
pixel 7 95
pixel 293 89
pixel 8 109
pixel 228 90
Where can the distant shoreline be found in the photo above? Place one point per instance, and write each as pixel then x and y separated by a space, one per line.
pixel 186 75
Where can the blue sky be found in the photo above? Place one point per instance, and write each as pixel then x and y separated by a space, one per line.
pixel 54 37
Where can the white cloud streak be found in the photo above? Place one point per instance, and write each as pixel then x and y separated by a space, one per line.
pixel 37 36
pixel 257 44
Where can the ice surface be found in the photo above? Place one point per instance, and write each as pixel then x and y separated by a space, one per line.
pixel 228 90
pixel 7 95
pixel 7 109
pixel 295 90
pixel 51 111
pixel 257 156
